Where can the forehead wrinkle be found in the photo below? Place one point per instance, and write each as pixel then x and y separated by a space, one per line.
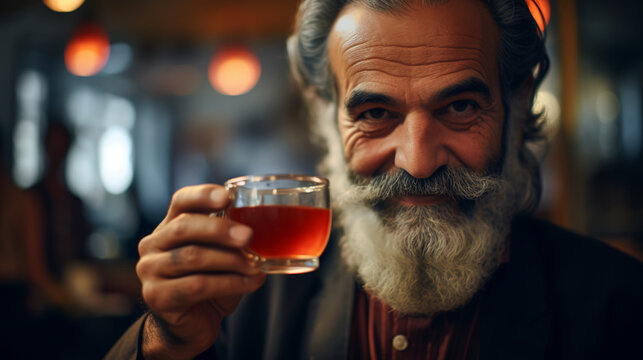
pixel 418 51
pixel 345 46
pixel 418 56
pixel 415 72
pixel 434 40
pixel 348 44
pixel 364 45
pixel 375 71
pixel 376 59
pixel 372 85
pixel 461 70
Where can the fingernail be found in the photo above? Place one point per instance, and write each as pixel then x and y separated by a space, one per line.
pixel 219 197
pixel 240 234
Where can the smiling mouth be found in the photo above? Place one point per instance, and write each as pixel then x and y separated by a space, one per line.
pixel 422 200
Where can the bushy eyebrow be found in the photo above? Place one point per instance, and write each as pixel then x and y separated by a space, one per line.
pixel 361 97
pixel 469 85
pixel 358 98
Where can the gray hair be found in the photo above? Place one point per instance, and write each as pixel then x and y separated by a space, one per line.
pixel 522 54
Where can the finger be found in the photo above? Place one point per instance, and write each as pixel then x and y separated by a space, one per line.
pixel 198 198
pixel 184 292
pixel 192 259
pixel 196 228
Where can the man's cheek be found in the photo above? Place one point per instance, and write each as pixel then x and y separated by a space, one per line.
pixel 366 160
pixel 486 141
pixel 351 139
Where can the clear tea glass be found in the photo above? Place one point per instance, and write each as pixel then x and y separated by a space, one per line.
pixel 290 217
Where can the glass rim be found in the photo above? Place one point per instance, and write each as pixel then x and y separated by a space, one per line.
pixel 319 182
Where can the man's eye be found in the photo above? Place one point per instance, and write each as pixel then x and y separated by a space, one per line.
pixel 377 121
pixel 460 112
pixel 375 114
pixel 462 106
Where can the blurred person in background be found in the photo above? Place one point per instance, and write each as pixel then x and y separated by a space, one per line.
pixel 62 216
pixel 24 277
pixel 425 109
pixel 41 228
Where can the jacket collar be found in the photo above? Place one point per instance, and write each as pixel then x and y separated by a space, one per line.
pixel 515 321
pixel 329 335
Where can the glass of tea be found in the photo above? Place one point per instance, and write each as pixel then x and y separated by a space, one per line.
pixel 290 217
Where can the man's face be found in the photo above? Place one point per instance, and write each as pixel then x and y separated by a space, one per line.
pixel 420 118
pixel 417 90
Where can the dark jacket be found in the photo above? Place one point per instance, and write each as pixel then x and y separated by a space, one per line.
pixel 560 296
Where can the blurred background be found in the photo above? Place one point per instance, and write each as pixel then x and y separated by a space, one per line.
pixel 109 106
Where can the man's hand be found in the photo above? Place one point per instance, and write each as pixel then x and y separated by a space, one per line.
pixel 193 273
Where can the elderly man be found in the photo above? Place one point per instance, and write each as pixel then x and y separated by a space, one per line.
pixel 425 107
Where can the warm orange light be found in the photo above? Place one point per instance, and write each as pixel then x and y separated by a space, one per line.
pixel 536 7
pixel 234 70
pixel 87 51
pixel 63 5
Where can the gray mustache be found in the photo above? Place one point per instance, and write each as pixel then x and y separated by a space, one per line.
pixel 457 183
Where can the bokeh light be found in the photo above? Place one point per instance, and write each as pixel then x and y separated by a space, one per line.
pixel 28 154
pixel 63 5
pixel 87 51
pixel 31 97
pixel 120 58
pixel 607 106
pixel 81 106
pixel 119 111
pixel 103 244
pixel 81 173
pixel 116 159
pixel 541 11
pixel 234 70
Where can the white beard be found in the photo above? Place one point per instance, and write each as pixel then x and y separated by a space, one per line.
pixel 425 259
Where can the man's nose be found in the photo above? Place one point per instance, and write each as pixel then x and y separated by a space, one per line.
pixel 420 146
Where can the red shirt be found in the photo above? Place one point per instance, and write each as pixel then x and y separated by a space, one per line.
pixel 379 332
